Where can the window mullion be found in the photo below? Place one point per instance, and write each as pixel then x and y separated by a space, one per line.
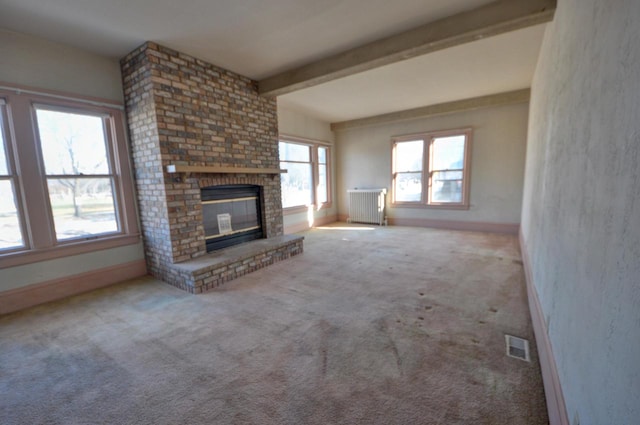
pixel 430 170
pixel 79 176
pixel 32 192
pixel 314 175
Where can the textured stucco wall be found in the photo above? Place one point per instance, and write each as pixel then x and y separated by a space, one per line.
pixel 36 62
pixel 497 162
pixel 581 207
pixel 295 123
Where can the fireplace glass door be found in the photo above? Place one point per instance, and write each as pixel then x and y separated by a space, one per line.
pixel 231 214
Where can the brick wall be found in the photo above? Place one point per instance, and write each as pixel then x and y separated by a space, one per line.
pixel 182 110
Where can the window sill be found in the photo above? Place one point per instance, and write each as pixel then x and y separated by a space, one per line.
pixel 430 207
pixel 17 258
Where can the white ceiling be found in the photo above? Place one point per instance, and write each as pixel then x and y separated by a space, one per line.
pixel 259 38
pixel 493 65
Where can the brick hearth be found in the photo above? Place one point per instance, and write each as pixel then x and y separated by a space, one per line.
pixel 184 111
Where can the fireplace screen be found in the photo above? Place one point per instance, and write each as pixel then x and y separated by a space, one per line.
pixel 231 215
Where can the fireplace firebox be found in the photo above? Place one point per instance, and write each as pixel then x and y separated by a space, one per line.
pixel 232 214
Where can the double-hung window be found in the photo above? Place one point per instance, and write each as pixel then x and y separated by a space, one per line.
pixel 306 181
pixel 65 178
pixel 432 169
pixel 11 234
pixel 78 172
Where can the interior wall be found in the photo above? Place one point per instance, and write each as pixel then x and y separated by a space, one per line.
pixel 581 209
pixel 497 163
pixel 294 123
pixel 38 63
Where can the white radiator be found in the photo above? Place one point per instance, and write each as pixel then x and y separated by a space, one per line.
pixel 367 206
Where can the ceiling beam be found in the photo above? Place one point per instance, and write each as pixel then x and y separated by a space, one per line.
pixel 492 19
pixel 517 96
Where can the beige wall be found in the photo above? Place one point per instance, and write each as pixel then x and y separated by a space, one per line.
pixel 293 123
pixel 21 276
pixel 581 208
pixel 497 162
pixel 38 63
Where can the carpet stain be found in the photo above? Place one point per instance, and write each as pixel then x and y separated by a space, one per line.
pixel 396 354
pixel 326 329
pixel 315 340
pixel 493 310
pixel 383 328
pixel 324 362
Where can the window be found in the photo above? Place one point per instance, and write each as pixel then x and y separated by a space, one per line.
pixel 65 179
pixel 11 235
pixel 78 172
pixel 307 179
pixel 322 192
pixel 432 169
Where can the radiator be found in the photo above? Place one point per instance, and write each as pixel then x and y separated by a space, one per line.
pixel 367 206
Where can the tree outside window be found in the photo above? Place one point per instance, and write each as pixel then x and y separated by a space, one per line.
pixel 79 179
pixel 432 169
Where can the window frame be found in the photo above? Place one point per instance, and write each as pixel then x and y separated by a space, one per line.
pixel 34 209
pixel 427 169
pixel 313 146
pixel 12 175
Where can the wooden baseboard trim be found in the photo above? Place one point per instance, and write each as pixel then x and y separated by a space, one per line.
pixel 474 226
pixel 297 227
pixel 304 225
pixel 553 391
pixel 40 293
pixel 323 221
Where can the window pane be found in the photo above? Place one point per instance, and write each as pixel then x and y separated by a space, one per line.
pixel 72 143
pixel 408 187
pixel 4 169
pixel 446 186
pixel 10 232
pixel 322 155
pixel 448 153
pixel 409 156
pixel 323 195
pixel 296 184
pixel 294 152
pixel 82 207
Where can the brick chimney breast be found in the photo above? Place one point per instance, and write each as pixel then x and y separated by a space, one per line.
pixel 182 110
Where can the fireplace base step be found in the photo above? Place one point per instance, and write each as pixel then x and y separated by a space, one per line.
pixel 212 270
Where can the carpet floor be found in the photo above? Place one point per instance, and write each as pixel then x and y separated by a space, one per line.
pixel 391 325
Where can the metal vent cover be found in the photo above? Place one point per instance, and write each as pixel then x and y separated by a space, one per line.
pixel 517 348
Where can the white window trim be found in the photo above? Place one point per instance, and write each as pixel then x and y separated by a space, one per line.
pixel 26 162
pixel 313 145
pixel 425 198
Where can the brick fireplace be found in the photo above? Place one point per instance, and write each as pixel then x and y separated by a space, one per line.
pixel 194 125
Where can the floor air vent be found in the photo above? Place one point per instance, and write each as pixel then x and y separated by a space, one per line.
pixel 517 347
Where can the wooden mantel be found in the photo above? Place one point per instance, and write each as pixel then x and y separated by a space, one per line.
pixel 212 169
